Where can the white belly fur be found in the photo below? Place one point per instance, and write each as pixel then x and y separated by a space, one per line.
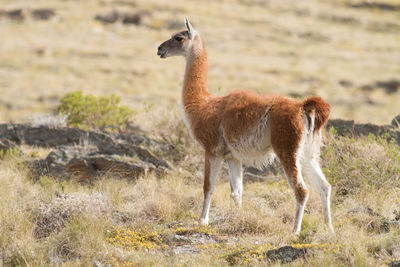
pixel 254 148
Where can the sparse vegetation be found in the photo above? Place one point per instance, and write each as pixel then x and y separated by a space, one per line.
pixel 153 221
pixel 90 112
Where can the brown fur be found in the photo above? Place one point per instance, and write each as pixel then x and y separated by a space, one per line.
pixel 316 104
pixel 206 185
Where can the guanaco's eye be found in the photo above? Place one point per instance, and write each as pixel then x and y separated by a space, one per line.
pixel 178 38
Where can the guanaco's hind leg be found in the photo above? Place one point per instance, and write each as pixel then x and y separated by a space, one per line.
pixel 317 179
pixel 212 165
pixel 292 169
pixel 236 180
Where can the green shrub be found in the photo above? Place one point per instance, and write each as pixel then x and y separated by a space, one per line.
pixel 90 112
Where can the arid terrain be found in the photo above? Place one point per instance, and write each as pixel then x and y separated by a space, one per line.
pixel 83 197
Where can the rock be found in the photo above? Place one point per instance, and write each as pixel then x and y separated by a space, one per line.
pixel 286 254
pixel 45 136
pixel 185 249
pixel 108 18
pixel 346 83
pixel 21 14
pixel 365 129
pixel 85 154
pixel 200 238
pixel 5 145
pixel 338 19
pixel 349 128
pixel 343 127
pixel 390 86
pixel 89 167
pixel 137 18
pixel 255 175
pixel 181 238
pixel 375 5
pixel 396 122
pixel 63 165
pixel 48 167
pixel 14 14
pixel 43 13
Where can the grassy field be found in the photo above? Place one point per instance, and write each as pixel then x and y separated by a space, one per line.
pixel 326 48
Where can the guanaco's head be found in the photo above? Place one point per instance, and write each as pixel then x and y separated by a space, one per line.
pixel 179 44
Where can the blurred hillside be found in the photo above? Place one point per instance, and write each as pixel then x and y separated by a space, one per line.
pixel 347 51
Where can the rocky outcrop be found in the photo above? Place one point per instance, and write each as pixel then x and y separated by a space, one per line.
pixel 86 154
pixel 390 86
pixel 6 145
pixel 21 14
pixel 60 164
pixel 135 18
pixel 108 144
pixel 350 128
pixel 375 5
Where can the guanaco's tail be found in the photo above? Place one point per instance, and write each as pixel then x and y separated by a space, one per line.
pixel 318 109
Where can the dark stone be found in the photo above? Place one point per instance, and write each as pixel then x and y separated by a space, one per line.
pixel 375 5
pixel 43 13
pixel 5 145
pixel 346 83
pixel 396 121
pixel 390 86
pixel 44 136
pixel 108 18
pixel 89 167
pixel 343 127
pixel 349 128
pixel 286 254
pixel 14 14
pixel 137 18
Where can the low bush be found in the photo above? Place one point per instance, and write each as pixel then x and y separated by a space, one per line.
pixel 90 112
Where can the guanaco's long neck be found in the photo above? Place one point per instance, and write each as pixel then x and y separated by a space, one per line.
pixel 195 82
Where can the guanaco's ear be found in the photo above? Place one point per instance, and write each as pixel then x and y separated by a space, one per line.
pixel 190 28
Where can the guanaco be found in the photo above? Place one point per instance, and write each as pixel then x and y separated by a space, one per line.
pixel 247 128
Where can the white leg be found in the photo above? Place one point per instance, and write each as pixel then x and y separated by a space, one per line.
pixel 236 180
pixel 301 193
pixel 211 169
pixel 317 179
